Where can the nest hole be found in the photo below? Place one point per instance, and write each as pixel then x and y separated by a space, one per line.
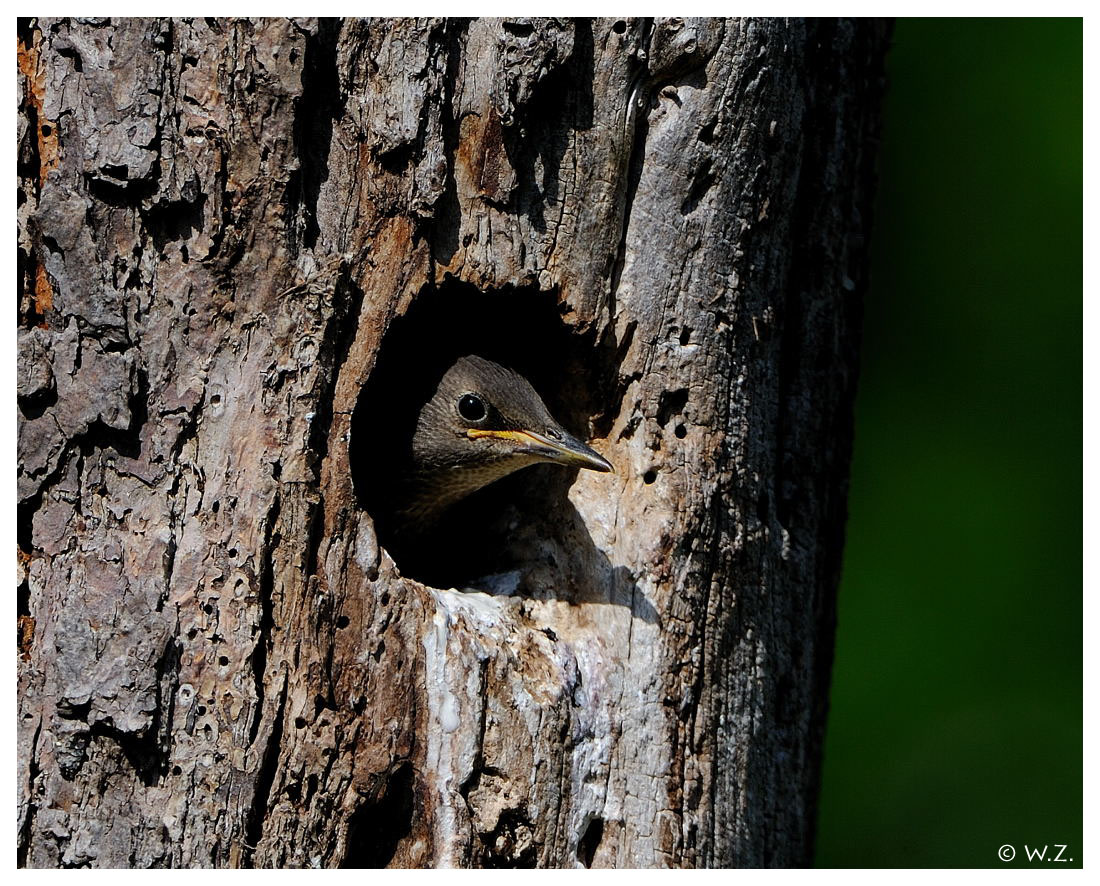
pixel 491 531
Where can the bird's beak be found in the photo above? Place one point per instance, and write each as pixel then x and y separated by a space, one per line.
pixel 567 450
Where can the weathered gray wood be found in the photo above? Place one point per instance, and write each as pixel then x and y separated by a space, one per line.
pixel 221 222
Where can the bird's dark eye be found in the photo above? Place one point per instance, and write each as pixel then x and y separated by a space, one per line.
pixel 471 407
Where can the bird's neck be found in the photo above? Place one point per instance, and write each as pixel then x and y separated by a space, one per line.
pixel 433 490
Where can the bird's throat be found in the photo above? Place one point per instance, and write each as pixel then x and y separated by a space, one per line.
pixel 434 490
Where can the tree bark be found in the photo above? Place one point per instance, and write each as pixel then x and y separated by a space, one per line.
pixel 236 238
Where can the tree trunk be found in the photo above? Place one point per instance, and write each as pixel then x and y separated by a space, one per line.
pixel 237 241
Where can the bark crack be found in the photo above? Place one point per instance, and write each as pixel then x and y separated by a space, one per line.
pixel 257 813
pixel 266 628
pixel 27 831
pixel 635 129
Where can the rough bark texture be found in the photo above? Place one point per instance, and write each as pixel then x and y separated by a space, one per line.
pixel 226 227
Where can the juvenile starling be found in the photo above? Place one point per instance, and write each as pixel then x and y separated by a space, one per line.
pixel 482 423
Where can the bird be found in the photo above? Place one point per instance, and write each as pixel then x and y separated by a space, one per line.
pixel 483 422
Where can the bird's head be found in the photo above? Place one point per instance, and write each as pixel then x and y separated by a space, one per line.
pixel 483 422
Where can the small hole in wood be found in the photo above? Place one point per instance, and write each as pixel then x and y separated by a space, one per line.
pixel 649 477
pixel 590 842
pixel 377 828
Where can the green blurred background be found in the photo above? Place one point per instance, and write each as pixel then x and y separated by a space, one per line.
pixel 955 722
